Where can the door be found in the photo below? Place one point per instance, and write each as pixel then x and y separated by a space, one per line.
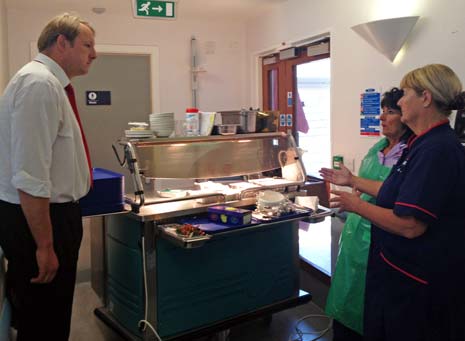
pixel 127 77
pixel 312 106
pixel 299 88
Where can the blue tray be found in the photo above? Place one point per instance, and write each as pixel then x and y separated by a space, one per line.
pixel 207 226
pixel 204 224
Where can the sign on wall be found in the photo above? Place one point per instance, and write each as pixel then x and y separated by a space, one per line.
pixel 154 9
pixel 370 104
pixel 98 97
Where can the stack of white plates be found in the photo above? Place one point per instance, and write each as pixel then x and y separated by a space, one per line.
pixel 138 134
pixel 162 124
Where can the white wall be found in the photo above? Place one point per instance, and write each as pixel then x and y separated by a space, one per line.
pixel 220 88
pixel 438 37
pixel 231 78
pixel 4 75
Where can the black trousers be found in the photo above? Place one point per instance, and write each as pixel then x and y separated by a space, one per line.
pixel 343 333
pixel 41 311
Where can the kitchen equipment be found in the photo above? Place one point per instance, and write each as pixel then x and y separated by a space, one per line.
pixel 207 120
pixel 270 198
pixel 267 121
pixel 162 124
pixel 247 123
pixel 245 120
pixel 138 130
pixel 230 273
pixel 227 129
pixel 192 119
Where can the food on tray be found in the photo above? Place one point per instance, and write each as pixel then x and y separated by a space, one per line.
pixel 188 230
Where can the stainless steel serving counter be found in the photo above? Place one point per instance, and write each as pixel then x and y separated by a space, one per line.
pixel 186 286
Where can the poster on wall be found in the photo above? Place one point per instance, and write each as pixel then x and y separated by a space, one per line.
pixel 370 107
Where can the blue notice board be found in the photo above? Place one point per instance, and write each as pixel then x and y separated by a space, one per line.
pixel 370 108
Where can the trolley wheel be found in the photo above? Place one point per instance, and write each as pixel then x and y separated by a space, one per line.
pixel 268 319
pixel 220 336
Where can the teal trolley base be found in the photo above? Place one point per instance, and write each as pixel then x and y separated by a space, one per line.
pixel 303 297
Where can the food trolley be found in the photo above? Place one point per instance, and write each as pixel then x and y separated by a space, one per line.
pixel 186 286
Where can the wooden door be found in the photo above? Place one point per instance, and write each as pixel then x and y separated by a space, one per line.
pixel 280 85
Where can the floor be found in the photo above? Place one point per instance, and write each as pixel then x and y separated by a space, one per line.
pixel 86 326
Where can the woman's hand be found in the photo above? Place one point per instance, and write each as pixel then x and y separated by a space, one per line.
pixel 346 201
pixel 342 177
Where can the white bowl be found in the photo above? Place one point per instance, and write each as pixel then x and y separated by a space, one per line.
pixel 270 198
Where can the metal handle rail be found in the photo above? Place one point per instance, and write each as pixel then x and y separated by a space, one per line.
pixel 130 161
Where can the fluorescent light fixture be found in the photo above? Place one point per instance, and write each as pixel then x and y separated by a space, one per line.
pixel 388 35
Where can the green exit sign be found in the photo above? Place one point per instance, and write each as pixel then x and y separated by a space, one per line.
pixel 154 9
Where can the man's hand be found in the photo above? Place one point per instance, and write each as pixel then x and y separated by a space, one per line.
pixel 37 213
pixel 47 262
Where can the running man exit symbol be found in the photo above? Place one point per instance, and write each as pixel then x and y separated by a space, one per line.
pixel 154 9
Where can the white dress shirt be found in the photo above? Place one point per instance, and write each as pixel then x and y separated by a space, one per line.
pixel 41 149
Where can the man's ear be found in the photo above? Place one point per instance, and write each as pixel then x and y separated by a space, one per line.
pixel 62 42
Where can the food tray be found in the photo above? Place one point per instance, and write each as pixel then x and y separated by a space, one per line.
pixel 298 213
pixel 168 231
pixel 210 227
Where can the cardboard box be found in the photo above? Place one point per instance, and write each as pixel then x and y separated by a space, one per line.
pixel 229 215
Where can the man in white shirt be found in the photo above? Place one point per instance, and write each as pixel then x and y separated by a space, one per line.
pixel 44 171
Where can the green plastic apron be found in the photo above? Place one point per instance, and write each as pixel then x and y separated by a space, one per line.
pixel 346 296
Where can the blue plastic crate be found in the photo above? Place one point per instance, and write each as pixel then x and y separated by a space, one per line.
pixel 106 195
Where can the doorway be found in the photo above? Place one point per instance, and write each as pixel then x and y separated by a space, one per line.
pixel 313 89
pixel 127 79
pixel 297 84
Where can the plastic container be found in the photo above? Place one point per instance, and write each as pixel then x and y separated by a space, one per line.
pixel 106 195
pixel 192 120
pixel 227 129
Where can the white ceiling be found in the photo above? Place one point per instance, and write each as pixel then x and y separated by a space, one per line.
pixel 246 8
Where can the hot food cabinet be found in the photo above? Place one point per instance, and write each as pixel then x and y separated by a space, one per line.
pixel 158 279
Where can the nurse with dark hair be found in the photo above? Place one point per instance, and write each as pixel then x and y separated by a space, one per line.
pixel 346 295
pixel 415 282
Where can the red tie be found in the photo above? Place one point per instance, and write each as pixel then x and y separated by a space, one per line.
pixel 72 100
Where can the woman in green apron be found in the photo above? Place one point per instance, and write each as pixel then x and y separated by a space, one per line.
pixel 346 296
